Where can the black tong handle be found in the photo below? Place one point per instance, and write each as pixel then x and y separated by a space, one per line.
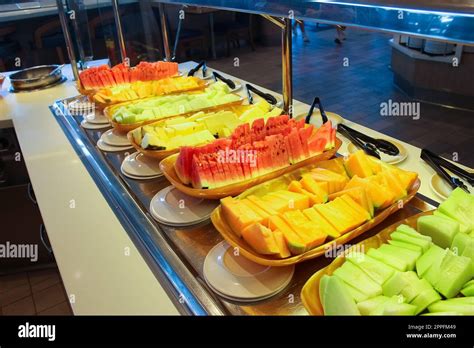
pixel 197 67
pixel 450 166
pixel 368 149
pixel 381 144
pixel 227 81
pixel 267 96
pixel 321 109
pixel 453 182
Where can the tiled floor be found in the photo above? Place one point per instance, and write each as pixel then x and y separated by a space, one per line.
pixel 33 293
pixel 355 91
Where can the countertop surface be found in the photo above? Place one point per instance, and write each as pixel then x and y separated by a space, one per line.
pixel 89 242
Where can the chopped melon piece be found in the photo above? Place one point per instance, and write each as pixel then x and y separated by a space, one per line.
pixel 335 182
pixel 455 271
pixel 460 242
pixel 442 231
pixel 323 282
pixel 294 242
pixel 359 194
pixel 261 239
pixel 424 299
pixel 405 245
pixel 281 243
pixel 369 306
pixel 238 214
pixel 376 270
pixel 405 229
pixel 468 290
pixel 408 255
pixel 261 204
pixel 352 275
pixel 428 258
pixel 335 165
pixel 294 200
pixel 462 227
pixel 463 305
pixel 389 260
pixel 310 185
pixel 414 288
pixel 337 300
pixel 396 308
pixel 317 219
pixel 459 206
pixel 397 282
pixel 358 164
pixel 424 244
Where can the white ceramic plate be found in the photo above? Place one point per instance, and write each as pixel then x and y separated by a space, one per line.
pixel 111 137
pixel 172 207
pixel 317 121
pixel 240 279
pixel 139 165
pixel 134 177
pixel 442 188
pixel 108 148
pixel 96 118
pixel 403 154
pixel 92 126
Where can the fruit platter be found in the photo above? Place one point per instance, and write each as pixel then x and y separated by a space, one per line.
pixel 144 89
pixel 306 213
pixel 164 138
pixel 95 78
pixel 421 265
pixel 251 155
pixel 127 116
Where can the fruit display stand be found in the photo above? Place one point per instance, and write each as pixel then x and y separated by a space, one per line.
pixel 185 248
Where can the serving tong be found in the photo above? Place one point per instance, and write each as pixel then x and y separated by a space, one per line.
pixel 438 164
pixel 227 81
pixel 202 65
pixel 321 110
pixel 267 96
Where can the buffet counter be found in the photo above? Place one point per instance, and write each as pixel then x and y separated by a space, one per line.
pixel 101 268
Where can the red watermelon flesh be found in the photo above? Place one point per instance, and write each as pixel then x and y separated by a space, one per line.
pixel 305 134
pixel 258 129
pixel 317 145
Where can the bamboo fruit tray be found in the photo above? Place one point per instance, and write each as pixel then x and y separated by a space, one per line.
pixel 310 292
pixel 168 169
pixel 224 228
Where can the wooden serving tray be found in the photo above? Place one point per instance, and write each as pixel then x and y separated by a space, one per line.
pixel 310 291
pixel 167 167
pixel 221 224
pixel 125 128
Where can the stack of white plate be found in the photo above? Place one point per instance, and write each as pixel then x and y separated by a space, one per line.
pixel 94 121
pixel 111 141
pixel 139 167
pixel 174 208
pixel 236 278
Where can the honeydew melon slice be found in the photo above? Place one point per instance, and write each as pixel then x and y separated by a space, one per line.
pixel 405 229
pixel 376 270
pixel 460 242
pixel 462 227
pixel 388 306
pixel 409 255
pixel 352 275
pixel 412 290
pixel 455 271
pixel 468 290
pixel 442 231
pixel 357 295
pixel 426 260
pixel 405 245
pixel 463 305
pixel 424 244
pixel 396 283
pixel 459 206
pixel 323 282
pixel 389 260
pixel 337 299
pixel 396 308
pixel 424 299
pixel 368 306
pixel 444 314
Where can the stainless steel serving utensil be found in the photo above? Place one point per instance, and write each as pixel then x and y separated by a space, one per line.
pixel 36 77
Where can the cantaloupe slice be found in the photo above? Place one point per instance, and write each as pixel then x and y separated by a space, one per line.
pixel 351 203
pixel 335 182
pixel 278 204
pixel 294 200
pixel 391 181
pixel 309 184
pixel 264 214
pixel 294 242
pixel 335 165
pixel 378 195
pixel 317 219
pixel 261 204
pixel 339 219
pixel 296 186
pixel 261 239
pixel 284 252
pixel 358 164
pixel 358 194
pixel 238 214
pixel 311 234
pixel 359 217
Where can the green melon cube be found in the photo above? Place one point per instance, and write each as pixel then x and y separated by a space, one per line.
pixel 428 259
pixel 392 308
pixel 423 243
pixel 337 300
pixel 368 306
pixel 352 275
pixel 442 231
pixel 388 306
pixel 459 206
pixel 394 262
pixel 396 283
pixel 415 288
pixel 356 294
pixel 405 245
pixel 463 305
pixel 454 273
pixel 408 255
pixel 424 299
pixel 460 242
pixel 468 290
pixel 405 229
pixel 376 270
pixel 462 227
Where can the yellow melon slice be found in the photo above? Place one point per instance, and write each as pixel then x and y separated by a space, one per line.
pixel 261 239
